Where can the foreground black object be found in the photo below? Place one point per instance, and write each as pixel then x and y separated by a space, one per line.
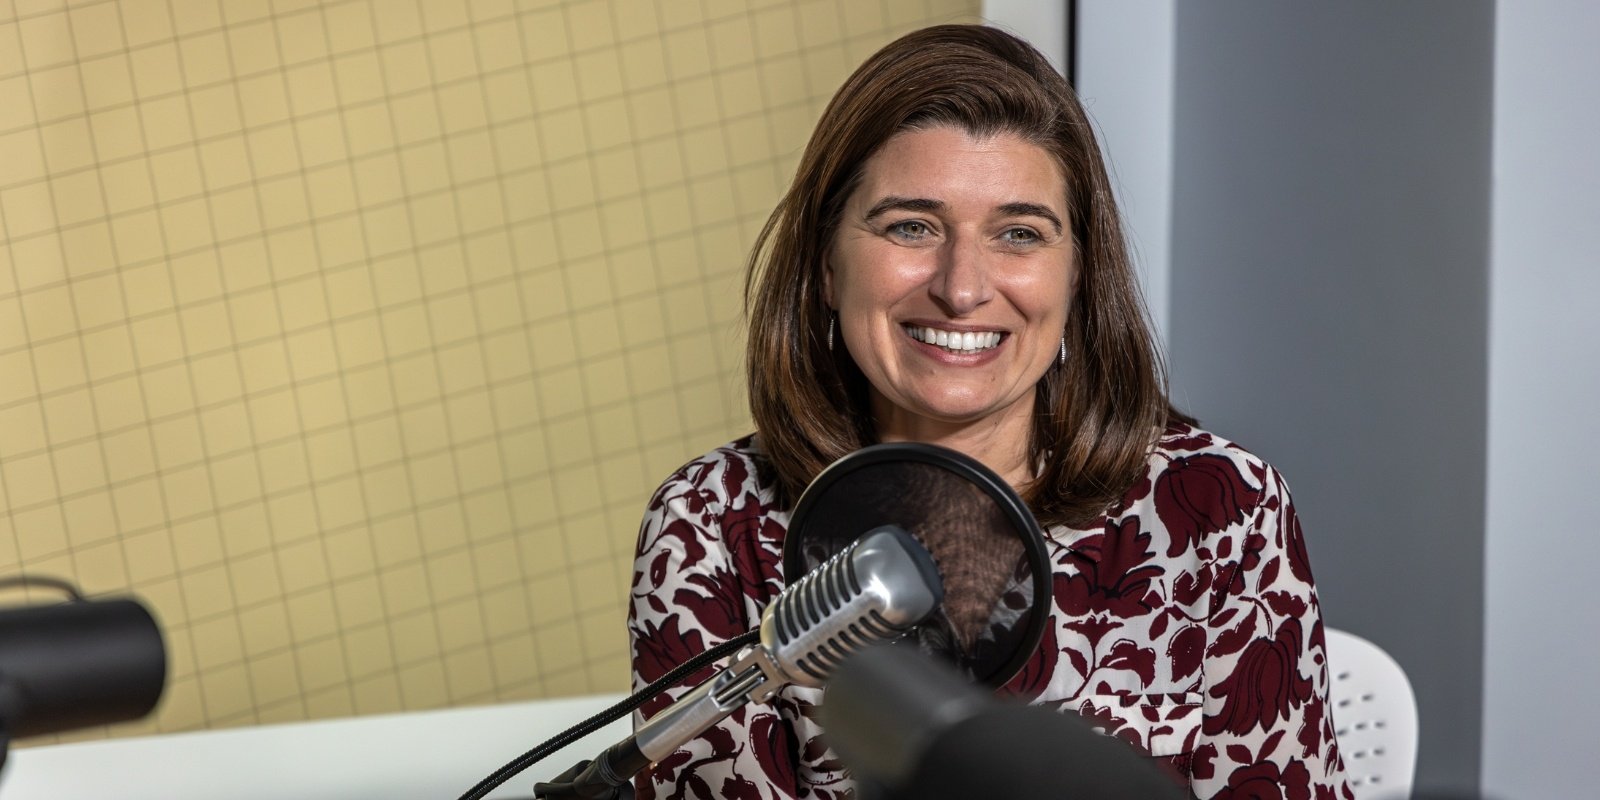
pixel 910 728
pixel 76 665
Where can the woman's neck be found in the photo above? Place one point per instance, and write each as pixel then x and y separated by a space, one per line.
pixel 999 441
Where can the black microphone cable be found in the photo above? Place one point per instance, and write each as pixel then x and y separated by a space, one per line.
pixel 66 587
pixel 606 717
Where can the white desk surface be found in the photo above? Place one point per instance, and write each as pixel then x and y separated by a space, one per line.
pixel 430 754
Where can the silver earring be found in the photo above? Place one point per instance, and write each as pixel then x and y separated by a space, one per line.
pixel 831 319
pixel 1063 351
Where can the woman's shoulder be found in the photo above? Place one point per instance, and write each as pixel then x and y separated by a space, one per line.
pixel 724 476
pixel 1197 477
pixel 1182 445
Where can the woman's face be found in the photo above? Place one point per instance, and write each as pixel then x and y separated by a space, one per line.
pixel 951 272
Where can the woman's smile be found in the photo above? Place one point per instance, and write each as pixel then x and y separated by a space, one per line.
pixel 955 342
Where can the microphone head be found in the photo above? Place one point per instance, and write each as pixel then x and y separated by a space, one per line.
pixel 987 545
pixel 870 592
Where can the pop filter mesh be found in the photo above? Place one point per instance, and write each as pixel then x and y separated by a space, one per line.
pixel 981 553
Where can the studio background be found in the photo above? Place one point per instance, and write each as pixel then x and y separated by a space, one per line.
pixel 353 336
pixel 354 341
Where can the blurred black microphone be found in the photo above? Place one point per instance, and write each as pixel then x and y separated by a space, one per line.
pixel 77 664
pixel 910 728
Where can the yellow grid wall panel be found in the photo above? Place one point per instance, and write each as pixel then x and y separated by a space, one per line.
pixel 353 336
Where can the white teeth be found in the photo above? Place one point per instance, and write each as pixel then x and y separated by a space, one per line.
pixel 955 341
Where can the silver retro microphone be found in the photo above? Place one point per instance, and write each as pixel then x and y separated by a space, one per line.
pixel 872 591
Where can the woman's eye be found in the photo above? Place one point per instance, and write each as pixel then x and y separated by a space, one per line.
pixel 910 229
pixel 1019 236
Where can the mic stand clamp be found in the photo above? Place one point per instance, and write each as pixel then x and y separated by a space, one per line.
pixel 608 776
pixel 585 782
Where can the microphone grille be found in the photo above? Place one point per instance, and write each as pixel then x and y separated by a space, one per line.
pixel 835 610
pixel 820 595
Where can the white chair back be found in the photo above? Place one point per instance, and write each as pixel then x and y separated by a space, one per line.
pixel 1374 716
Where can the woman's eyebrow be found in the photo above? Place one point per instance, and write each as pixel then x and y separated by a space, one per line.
pixel 893 202
pixel 1031 210
pixel 1016 209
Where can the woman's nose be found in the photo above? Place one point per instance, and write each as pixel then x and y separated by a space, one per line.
pixel 962 284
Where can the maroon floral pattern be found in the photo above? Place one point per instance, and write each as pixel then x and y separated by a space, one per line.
pixel 1184 622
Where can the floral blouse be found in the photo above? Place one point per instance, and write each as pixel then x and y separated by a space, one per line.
pixel 1184 621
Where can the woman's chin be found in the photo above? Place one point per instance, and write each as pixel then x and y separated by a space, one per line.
pixel 948 412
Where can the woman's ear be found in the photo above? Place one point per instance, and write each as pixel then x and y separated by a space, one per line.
pixel 827 284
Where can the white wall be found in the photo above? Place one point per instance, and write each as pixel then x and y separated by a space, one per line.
pixel 1542 638
pixel 1125 78
pixel 1043 24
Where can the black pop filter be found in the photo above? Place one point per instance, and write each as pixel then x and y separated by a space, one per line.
pixel 987 544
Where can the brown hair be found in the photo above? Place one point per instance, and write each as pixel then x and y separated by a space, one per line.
pixel 1095 419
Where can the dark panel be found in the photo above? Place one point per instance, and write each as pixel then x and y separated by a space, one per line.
pixel 1329 307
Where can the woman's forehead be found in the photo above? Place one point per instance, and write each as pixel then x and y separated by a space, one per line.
pixel 962 170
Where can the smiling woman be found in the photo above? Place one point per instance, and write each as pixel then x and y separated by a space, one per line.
pixel 978 112
pixel 948 267
pixel 957 238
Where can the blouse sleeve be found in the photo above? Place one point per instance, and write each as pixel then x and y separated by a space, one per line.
pixel 1267 731
pixel 688 597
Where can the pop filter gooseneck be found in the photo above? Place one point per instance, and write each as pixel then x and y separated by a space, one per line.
pixel 986 542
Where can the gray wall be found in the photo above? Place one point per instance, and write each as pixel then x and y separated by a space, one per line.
pixel 1542 699
pixel 1329 307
